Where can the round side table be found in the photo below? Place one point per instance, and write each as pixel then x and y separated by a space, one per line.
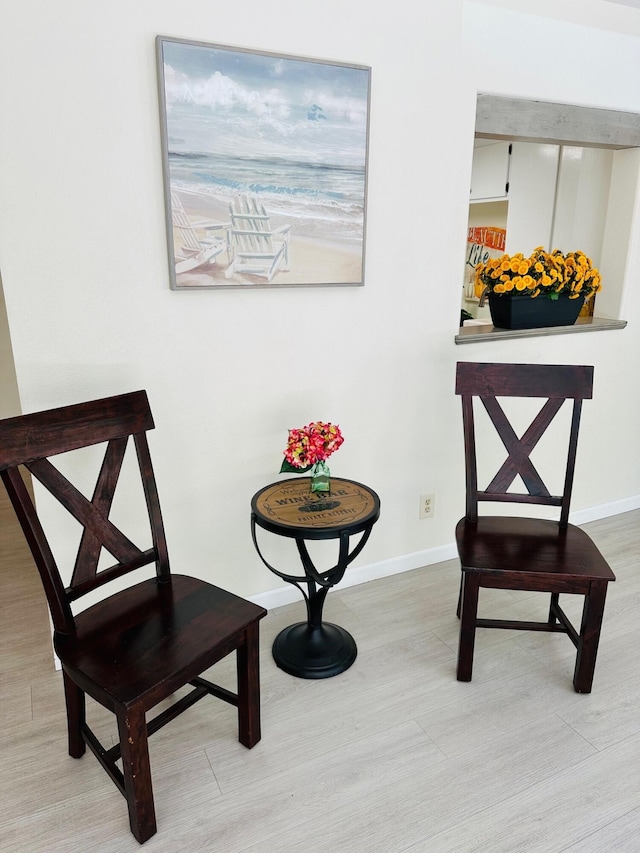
pixel 315 649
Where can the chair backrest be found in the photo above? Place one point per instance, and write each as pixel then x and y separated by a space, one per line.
pixel 250 226
pixel 556 383
pixel 29 440
pixel 184 225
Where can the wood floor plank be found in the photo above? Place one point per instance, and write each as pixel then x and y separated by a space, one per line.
pixel 552 814
pixel 609 717
pixel 620 835
pixel 435 797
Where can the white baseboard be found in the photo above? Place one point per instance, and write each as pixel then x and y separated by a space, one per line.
pixel 405 563
pixel 594 513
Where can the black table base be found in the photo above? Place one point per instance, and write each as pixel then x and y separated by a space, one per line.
pixel 315 649
pixel 314 652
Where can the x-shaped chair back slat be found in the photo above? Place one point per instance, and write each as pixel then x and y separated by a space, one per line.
pixel 519 449
pixel 98 531
pixel 92 542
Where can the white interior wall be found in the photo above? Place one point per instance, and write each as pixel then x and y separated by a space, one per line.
pixel 83 255
pixel 532 189
pixel 9 397
pixel 582 200
pixel 621 236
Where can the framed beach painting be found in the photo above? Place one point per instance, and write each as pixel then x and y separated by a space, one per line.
pixel 265 167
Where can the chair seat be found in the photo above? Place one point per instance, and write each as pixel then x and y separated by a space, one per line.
pixel 529 546
pixel 165 637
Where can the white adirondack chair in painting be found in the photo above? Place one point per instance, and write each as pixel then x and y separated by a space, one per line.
pixel 254 248
pixel 197 245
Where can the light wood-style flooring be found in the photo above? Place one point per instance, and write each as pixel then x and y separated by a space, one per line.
pixel 393 756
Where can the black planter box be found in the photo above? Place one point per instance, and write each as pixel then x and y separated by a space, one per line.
pixel 520 311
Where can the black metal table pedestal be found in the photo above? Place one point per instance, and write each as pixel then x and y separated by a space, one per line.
pixel 315 649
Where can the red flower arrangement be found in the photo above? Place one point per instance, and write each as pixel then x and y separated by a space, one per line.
pixel 309 445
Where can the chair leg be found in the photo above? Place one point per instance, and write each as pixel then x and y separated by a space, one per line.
pixel 132 727
pixel 555 599
pixel 592 614
pixel 470 588
pixel 75 700
pixel 459 607
pixel 248 668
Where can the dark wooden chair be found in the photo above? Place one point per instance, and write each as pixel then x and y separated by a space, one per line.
pixel 140 645
pixel 519 553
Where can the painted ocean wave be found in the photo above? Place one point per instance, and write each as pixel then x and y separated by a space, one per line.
pixel 327 202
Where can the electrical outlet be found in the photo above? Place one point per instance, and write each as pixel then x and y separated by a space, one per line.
pixel 427 505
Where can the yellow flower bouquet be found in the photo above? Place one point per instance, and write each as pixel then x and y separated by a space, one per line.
pixel 549 275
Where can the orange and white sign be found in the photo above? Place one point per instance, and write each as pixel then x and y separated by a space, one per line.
pixel 483 242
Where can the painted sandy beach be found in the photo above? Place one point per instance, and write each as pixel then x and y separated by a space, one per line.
pixel 311 260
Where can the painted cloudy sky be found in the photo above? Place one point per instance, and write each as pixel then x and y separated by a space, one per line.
pixel 233 102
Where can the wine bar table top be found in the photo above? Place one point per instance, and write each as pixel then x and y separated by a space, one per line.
pixel 289 508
